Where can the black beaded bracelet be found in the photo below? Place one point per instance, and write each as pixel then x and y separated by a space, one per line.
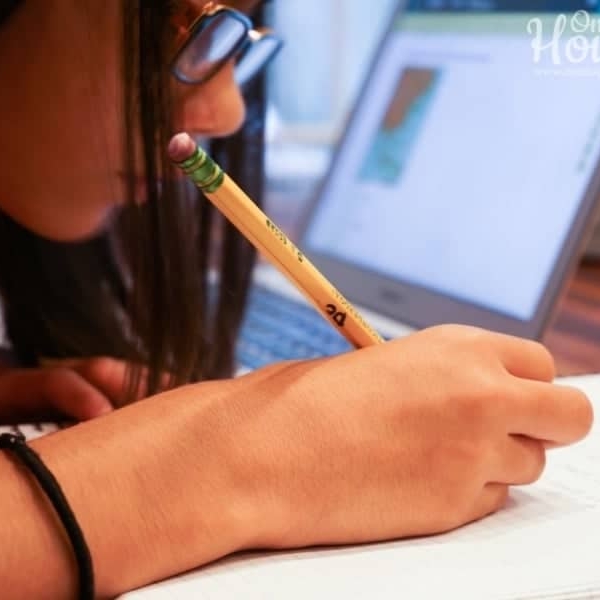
pixel 16 444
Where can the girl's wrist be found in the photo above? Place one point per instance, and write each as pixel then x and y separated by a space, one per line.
pixel 206 459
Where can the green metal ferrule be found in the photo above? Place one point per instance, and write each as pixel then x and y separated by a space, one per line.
pixel 203 170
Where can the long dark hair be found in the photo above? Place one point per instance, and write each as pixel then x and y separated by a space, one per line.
pixel 142 291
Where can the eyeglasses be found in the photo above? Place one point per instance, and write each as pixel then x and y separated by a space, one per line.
pixel 218 35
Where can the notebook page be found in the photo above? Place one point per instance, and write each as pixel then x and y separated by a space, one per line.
pixel 545 544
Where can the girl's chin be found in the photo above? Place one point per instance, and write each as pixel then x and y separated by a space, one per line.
pixel 74 232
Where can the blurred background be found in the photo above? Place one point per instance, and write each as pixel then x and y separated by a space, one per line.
pixel 312 84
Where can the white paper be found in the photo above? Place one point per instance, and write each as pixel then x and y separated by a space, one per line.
pixel 31 430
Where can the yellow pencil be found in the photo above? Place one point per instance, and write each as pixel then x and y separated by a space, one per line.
pixel 270 241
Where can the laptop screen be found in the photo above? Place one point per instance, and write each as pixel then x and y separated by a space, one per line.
pixel 470 152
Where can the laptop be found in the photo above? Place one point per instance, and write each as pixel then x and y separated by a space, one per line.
pixel 463 189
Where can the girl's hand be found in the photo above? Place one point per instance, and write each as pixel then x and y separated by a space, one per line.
pixel 415 436
pixel 77 389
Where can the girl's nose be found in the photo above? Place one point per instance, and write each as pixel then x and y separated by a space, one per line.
pixel 214 108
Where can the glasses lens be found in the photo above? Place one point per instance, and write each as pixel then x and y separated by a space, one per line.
pixel 256 55
pixel 209 46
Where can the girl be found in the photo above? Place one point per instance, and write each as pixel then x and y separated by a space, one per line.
pixel 411 437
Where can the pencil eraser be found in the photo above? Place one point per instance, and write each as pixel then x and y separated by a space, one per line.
pixel 181 146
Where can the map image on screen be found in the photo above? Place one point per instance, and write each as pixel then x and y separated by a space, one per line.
pixel 401 125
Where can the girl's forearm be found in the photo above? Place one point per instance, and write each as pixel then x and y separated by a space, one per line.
pixel 150 488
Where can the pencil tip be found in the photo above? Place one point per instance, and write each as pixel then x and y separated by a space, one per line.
pixel 180 147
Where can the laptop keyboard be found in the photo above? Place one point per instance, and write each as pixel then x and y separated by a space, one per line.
pixel 276 328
